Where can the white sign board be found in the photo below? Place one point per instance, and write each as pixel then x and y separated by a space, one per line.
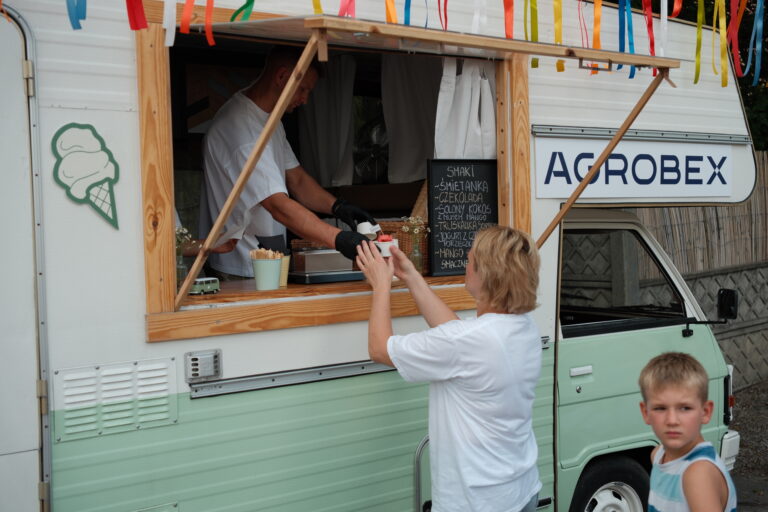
pixel 635 169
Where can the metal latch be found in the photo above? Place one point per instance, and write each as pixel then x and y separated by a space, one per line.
pixel 28 71
pixel 545 342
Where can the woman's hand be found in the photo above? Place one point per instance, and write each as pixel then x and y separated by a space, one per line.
pixel 377 270
pixel 404 269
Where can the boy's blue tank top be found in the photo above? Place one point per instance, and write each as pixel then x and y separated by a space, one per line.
pixel 667 480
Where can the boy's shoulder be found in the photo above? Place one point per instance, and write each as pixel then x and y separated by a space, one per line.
pixel 704 484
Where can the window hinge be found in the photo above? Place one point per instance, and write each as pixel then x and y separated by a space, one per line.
pixel 42 394
pixel 29 77
pixel 43 488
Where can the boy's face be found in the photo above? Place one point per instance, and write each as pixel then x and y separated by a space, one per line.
pixel 676 414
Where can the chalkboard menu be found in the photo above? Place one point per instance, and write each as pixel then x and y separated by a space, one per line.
pixel 462 200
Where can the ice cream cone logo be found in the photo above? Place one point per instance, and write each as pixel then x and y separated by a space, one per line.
pixel 86 169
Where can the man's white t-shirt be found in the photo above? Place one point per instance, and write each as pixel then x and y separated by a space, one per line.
pixel 228 144
pixel 482 374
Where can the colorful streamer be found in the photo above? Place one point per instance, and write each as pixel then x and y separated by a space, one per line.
pixel 186 16
pixel 479 17
pixel 244 11
pixel 317 7
pixel 558 7
pixel 719 14
pixel 626 32
pixel 648 13
pixel 390 11
pixel 76 13
pixel 509 18
pixel 209 23
pixel 699 24
pixel 443 14
pixel 407 13
pixel 756 42
pixel 136 18
pixel 169 21
pixel 596 44
pixel 733 33
pixel 534 13
pixel 583 32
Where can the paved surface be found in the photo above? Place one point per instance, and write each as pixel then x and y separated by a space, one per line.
pixel 752 493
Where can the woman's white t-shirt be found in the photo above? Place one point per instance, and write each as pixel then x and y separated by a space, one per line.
pixel 482 374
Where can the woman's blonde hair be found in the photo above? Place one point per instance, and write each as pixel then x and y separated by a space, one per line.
pixel 673 369
pixel 507 263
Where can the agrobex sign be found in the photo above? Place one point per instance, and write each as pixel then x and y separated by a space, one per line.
pixel 635 169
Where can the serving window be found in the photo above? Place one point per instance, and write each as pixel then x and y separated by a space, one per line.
pixel 180 90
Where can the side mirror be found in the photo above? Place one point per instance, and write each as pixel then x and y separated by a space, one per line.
pixel 727 304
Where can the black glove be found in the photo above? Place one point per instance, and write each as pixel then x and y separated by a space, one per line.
pixel 347 241
pixel 350 214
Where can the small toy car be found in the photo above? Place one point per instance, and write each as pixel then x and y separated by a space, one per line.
pixel 205 285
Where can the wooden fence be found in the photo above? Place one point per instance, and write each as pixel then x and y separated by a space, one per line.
pixel 705 238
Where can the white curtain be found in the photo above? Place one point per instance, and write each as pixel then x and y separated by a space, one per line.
pixel 326 129
pixel 465 125
pixel 409 87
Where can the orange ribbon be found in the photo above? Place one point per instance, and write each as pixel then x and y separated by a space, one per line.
pixel 186 16
pixel 596 29
pixel 391 12
pixel 209 23
pixel 509 18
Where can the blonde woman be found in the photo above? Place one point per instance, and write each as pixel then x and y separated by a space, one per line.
pixel 481 371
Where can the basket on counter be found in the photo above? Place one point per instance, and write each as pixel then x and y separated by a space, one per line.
pixel 405 240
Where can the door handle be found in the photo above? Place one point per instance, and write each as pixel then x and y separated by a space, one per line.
pixel 581 370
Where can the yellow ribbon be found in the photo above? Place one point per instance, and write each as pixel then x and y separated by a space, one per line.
pixel 558 6
pixel 392 13
pixel 534 28
pixel 699 24
pixel 718 14
pixel 317 6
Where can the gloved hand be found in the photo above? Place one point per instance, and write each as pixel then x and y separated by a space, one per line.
pixel 350 214
pixel 347 241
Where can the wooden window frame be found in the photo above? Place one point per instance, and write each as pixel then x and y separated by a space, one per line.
pixel 310 307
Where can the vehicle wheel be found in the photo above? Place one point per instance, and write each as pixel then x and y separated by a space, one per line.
pixel 617 484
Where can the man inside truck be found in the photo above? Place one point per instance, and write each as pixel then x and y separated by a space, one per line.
pixel 279 194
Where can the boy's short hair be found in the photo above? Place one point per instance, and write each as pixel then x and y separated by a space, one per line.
pixel 673 369
pixel 507 262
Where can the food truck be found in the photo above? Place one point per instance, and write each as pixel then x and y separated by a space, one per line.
pixel 122 392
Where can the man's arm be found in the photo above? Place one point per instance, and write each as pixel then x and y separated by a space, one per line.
pixel 307 191
pixel 300 220
pixel 704 487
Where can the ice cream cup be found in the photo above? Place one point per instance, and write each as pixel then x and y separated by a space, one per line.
pixel 368 230
pixel 267 273
pixel 384 247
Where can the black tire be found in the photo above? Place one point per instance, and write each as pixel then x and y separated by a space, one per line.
pixel 612 484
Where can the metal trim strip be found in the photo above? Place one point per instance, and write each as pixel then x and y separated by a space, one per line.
pixel 646 135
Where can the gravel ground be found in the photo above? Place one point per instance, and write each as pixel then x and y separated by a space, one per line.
pixel 750 474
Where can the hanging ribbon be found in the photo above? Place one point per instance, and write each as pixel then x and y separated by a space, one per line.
pixel 169 21
pixel 534 10
pixel 443 14
pixel 209 23
pixel 509 18
pixel 648 13
pixel 558 7
pixel 596 44
pixel 676 8
pixel 583 31
pixel 407 13
pixel 390 10
pixel 756 42
pixel 626 32
pixel 663 27
pixel 733 33
pixel 186 16
pixel 699 24
pixel 719 14
pixel 479 18
pixel 76 13
pixel 136 18
pixel 244 12
pixel 426 14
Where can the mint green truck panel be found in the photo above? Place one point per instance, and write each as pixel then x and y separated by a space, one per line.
pixel 345 444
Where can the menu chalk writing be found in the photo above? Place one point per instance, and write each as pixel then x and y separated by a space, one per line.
pixel 462 200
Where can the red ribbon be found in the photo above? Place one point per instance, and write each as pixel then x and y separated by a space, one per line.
pixel 209 23
pixel 443 15
pixel 676 8
pixel 733 34
pixel 136 18
pixel 347 8
pixel 648 12
pixel 186 16
pixel 509 18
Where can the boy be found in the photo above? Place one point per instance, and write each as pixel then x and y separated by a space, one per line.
pixel 687 473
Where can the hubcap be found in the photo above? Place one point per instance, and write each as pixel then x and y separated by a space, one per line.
pixel 615 497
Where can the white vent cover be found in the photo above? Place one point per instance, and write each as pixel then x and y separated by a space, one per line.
pixel 91 401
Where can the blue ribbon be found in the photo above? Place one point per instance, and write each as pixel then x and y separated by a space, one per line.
pixel 625 13
pixel 76 12
pixel 756 42
pixel 407 12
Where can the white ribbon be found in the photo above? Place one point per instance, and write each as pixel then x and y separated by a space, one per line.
pixel 663 36
pixel 169 21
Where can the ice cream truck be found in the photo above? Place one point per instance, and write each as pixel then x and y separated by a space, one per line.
pixel 121 392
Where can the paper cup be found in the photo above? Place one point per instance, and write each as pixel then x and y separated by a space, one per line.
pixel 368 230
pixel 267 274
pixel 384 247
pixel 284 266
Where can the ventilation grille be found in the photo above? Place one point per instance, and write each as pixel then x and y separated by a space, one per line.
pixel 106 399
